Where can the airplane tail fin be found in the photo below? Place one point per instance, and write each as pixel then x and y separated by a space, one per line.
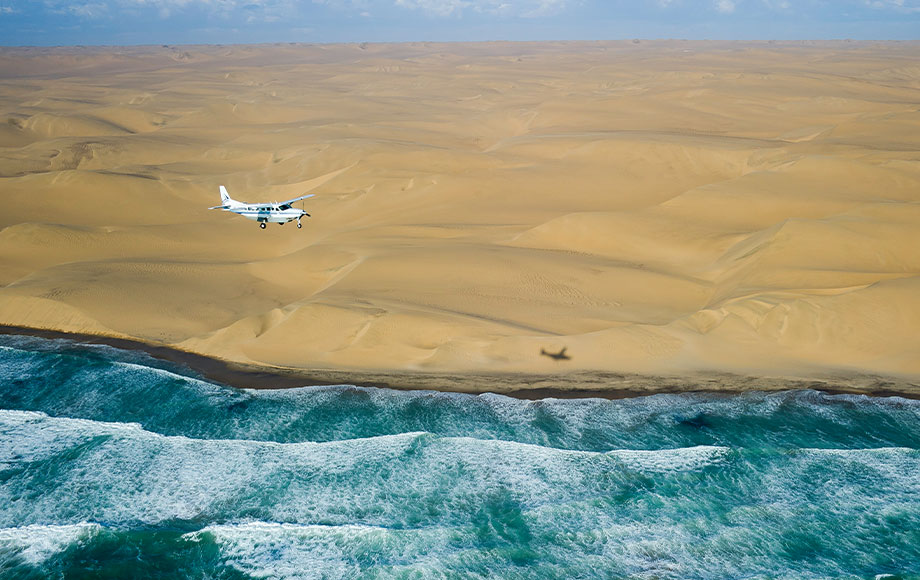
pixel 226 202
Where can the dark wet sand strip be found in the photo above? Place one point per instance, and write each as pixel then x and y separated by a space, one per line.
pixel 522 386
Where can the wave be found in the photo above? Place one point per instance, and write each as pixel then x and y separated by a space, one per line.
pixel 35 543
pixel 500 546
pixel 60 469
pixel 625 549
pixel 277 550
pixel 69 470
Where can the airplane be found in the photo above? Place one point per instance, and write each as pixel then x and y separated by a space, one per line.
pixel 276 213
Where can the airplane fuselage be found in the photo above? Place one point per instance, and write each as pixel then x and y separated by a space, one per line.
pixel 268 214
pixel 274 213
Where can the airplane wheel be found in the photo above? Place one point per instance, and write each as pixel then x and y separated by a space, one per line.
pixel 262 225
pixel 299 226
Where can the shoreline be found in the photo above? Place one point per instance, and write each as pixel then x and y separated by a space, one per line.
pixel 585 384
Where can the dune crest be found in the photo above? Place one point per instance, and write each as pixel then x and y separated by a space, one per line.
pixel 664 208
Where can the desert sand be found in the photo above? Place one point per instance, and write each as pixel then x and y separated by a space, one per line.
pixel 663 208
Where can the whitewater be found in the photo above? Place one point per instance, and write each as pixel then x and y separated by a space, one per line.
pixel 114 464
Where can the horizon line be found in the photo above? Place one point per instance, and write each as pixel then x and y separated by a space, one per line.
pixel 634 40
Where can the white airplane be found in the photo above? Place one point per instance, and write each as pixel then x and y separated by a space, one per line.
pixel 276 213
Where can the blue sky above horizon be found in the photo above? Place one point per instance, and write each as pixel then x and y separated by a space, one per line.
pixel 130 22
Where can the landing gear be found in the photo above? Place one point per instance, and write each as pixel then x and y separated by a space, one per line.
pixel 299 225
pixel 262 225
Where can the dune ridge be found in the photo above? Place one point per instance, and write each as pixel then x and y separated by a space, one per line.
pixel 660 207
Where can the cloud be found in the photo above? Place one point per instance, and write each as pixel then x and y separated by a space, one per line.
pixel 89 10
pixel 248 10
pixel 725 6
pixel 511 8
pixel 545 8
pixel 777 4
pixel 904 6
pixel 442 8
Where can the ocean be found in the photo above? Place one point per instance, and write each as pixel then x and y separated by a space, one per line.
pixel 116 465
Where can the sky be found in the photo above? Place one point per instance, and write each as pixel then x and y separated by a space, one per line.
pixel 132 22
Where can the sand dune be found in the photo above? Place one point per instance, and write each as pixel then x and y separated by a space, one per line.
pixel 654 207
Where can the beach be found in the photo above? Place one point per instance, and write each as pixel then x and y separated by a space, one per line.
pixel 675 215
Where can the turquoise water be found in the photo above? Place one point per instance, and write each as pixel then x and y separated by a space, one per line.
pixel 114 465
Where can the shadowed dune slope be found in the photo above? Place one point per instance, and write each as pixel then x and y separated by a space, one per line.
pixel 654 207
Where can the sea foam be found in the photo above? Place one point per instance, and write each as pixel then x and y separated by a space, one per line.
pixel 36 543
pixel 274 550
pixel 121 473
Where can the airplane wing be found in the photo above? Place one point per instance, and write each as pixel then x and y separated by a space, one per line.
pixel 290 201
